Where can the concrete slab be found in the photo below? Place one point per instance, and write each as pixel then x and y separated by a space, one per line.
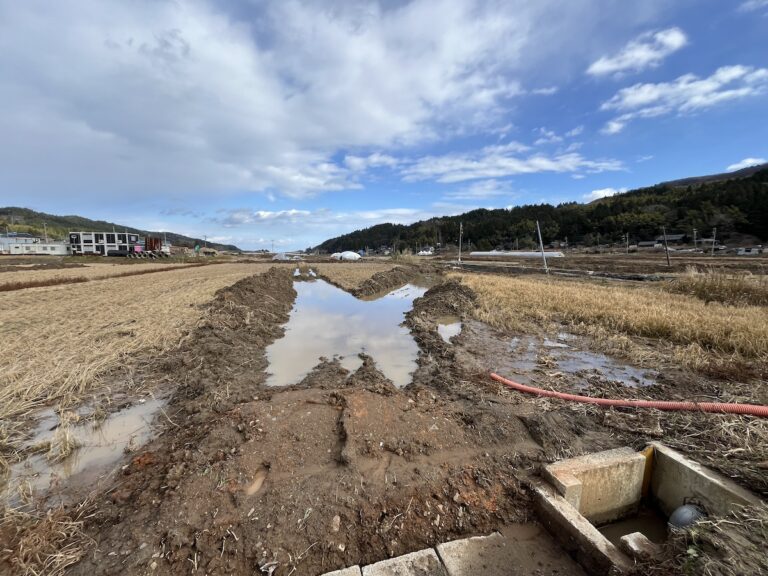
pixel 576 534
pixel 351 571
pixel 520 550
pixel 422 563
pixel 676 478
pixel 602 486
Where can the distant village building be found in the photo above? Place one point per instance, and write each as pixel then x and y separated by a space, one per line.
pixel 102 243
pixel 20 243
pixel 674 239
pixel 750 251
pixel 649 244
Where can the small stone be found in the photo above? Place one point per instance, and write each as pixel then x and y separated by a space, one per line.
pixel 153 566
pixel 336 523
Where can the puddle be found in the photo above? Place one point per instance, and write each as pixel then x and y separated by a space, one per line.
pixel 521 358
pixel 652 524
pixel 448 327
pixel 100 447
pixel 329 322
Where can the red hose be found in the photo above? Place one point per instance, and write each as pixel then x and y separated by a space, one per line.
pixel 751 409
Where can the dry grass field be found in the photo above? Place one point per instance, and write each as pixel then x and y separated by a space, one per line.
pixel 350 276
pixel 90 271
pixel 694 331
pixel 59 340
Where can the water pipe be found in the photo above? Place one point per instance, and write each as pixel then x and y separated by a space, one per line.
pixel 718 407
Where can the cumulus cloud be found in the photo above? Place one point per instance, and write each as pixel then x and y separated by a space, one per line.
pixel 646 51
pixel 198 98
pixel 686 94
pixel 603 193
pixel 375 160
pixel 746 163
pixel 500 162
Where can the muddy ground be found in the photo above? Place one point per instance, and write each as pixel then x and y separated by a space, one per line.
pixel 345 469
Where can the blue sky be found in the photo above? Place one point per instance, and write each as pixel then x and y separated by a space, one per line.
pixel 252 121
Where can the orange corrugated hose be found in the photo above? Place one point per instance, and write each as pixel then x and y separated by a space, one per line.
pixel 750 409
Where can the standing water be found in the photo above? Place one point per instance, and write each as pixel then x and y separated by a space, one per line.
pixel 329 322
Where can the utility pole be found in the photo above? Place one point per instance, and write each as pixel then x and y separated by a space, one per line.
pixel 541 245
pixel 626 236
pixel 45 228
pixel 695 246
pixel 461 231
pixel 205 240
pixel 517 244
pixel 714 239
pixel 666 248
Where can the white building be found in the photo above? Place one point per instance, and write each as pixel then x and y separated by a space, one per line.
pixel 102 243
pixel 23 244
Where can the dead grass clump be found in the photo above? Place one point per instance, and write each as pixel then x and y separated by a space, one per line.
pixel 523 303
pixel 730 546
pixel 36 545
pixel 718 286
pixel 11 286
pixel 63 442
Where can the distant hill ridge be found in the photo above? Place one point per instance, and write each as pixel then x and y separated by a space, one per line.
pixel 735 203
pixel 26 220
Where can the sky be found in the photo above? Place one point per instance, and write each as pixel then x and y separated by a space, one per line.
pixel 259 121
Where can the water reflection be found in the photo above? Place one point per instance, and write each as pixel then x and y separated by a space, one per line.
pixel 328 322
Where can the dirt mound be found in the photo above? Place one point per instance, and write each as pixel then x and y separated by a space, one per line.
pixel 383 282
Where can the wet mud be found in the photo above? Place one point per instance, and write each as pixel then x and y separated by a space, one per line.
pixel 343 464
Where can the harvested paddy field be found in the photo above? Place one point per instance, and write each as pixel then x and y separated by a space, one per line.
pixel 382 435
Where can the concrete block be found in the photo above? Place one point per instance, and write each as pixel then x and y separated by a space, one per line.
pixel 351 571
pixel 638 546
pixel 576 534
pixel 519 549
pixel 422 563
pixel 602 486
pixel 676 478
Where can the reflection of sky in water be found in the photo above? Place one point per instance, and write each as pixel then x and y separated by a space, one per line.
pixel 448 327
pixel 326 321
pixel 99 447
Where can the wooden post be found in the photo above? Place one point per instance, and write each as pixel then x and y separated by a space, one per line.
pixel 461 231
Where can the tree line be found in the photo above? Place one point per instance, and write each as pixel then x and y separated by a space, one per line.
pixel 737 206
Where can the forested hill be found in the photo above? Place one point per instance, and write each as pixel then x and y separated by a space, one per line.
pixel 736 206
pixel 26 220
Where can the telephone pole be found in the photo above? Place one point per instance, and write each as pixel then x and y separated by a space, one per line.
pixel 541 245
pixel 666 248
pixel 461 231
pixel 714 239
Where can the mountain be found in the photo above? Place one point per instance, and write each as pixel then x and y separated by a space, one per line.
pixel 58 227
pixel 743 173
pixel 737 207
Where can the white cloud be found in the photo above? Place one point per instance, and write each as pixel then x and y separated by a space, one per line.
pixel 548 91
pixel 547 137
pixel 686 94
pixel 575 132
pixel 746 163
pixel 752 5
pixel 499 162
pixel 106 99
pixel 375 160
pixel 646 51
pixel 481 189
pixel 603 193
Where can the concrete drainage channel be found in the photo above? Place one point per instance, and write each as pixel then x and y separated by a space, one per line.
pixel 605 510
pixel 583 498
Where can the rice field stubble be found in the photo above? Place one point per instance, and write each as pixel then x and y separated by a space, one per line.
pixel 60 341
